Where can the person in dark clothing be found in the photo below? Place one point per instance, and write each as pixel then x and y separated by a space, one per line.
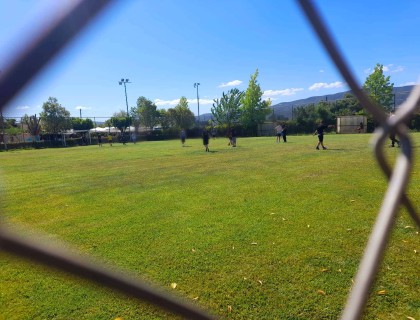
pixel 233 134
pixel 284 133
pixel 99 140
pixel 392 136
pixel 183 136
pixel 206 140
pixel 320 132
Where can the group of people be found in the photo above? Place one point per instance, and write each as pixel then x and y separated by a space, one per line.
pixel 206 137
pixel 108 138
pixel 281 131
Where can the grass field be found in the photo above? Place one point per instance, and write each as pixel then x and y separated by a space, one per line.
pixel 261 231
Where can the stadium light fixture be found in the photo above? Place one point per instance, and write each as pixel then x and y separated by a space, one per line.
pixel 125 81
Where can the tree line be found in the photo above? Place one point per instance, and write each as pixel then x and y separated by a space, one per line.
pixel 377 86
pixel 242 110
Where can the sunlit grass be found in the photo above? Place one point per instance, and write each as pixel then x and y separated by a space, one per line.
pixel 260 231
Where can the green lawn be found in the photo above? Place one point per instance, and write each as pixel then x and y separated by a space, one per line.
pixel 260 231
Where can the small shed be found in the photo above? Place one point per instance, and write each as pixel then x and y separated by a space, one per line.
pixel 351 124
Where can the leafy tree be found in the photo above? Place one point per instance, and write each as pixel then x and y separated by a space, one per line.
pixel 120 120
pixel 135 119
pixel 415 122
pixel 181 116
pixel 253 109
pixel 14 132
pixel 226 111
pixel 347 106
pixel 82 124
pixel 33 124
pixel 379 88
pixel 306 117
pixel 164 119
pixel 147 112
pixel 54 117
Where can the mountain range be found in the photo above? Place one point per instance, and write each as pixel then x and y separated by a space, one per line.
pixel 285 109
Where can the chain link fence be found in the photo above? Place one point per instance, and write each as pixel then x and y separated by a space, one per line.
pixel 64 28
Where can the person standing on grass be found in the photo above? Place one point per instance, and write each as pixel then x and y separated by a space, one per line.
pixel 233 137
pixel 206 140
pixel 99 140
pixel 279 130
pixel 109 138
pixel 320 132
pixel 284 132
pixel 392 135
pixel 183 136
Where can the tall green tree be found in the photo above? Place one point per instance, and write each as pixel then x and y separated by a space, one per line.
pixel 120 120
pixel 82 124
pixel 135 119
pixel 147 112
pixel 226 111
pixel 253 110
pixel 379 88
pixel 181 116
pixel 32 124
pixel 164 119
pixel 347 106
pixel 54 117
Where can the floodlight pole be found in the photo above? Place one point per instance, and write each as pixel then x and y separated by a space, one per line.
pixel 124 81
pixel 198 102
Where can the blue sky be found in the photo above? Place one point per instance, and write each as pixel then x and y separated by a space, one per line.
pixel 163 47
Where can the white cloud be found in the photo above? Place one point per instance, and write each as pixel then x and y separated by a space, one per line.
pixel 388 68
pixel 368 70
pixel 160 102
pixel 398 69
pixel 321 71
pixel 410 83
pixel 323 85
pixel 23 107
pixel 82 108
pixel 172 103
pixel 284 92
pixel 230 84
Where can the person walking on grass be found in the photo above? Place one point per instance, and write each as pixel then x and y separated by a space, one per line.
pixel 183 136
pixel 320 132
pixel 109 138
pixel 206 140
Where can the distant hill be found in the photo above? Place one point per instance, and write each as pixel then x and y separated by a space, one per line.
pixel 284 109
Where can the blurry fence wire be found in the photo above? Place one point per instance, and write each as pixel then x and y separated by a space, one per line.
pixel 398 178
pixel 60 31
